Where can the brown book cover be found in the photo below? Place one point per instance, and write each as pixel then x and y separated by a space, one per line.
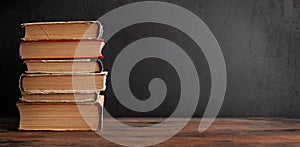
pixel 61 116
pixel 35 83
pixel 62 30
pixel 61 49
pixel 76 96
pixel 64 66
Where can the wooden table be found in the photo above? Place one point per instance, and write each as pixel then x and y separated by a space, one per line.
pixel 223 132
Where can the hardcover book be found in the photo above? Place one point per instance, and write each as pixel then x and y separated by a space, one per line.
pixel 63 82
pixel 76 96
pixel 61 49
pixel 64 66
pixel 63 30
pixel 61 116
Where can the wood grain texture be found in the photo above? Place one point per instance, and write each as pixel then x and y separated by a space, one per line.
pixel 223 132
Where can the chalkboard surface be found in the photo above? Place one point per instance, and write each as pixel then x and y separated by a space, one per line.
pixel 260 41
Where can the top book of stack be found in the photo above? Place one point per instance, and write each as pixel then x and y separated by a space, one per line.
pixel 62 30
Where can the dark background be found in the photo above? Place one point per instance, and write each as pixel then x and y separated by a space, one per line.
pixel 260 40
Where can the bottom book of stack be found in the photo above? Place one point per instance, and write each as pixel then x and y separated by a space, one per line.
pixel 60 115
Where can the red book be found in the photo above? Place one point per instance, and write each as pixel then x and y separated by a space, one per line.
pixel 61 49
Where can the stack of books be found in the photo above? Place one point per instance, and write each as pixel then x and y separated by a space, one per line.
pixel 64 77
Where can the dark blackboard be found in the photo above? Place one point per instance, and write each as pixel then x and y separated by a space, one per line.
pixel 260 41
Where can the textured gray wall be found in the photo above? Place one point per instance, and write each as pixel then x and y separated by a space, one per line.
pixel 259 39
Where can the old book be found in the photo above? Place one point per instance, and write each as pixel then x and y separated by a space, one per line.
pixel 35 83
pixel 77 96
pixel 63 66
pixel 61 116
pixel 61 49
pixel 62 30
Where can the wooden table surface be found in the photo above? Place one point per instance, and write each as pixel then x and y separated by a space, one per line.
pixel 223 132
